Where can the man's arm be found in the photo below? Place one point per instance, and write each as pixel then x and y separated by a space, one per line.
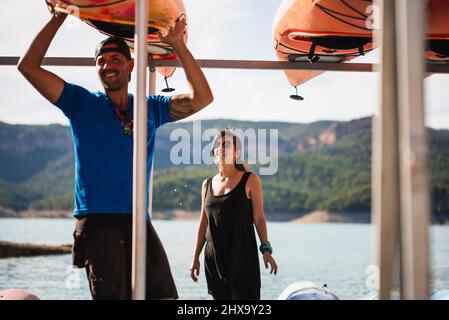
pixel 47 83
pixel 184 105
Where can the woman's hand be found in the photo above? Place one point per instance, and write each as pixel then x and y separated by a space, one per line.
pixel 268 259
pixel 195 269
pixel 175 35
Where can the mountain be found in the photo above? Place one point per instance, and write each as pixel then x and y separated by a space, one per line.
pixel 26 150
pixel 289 135
pixel 322 165
pixel 323 169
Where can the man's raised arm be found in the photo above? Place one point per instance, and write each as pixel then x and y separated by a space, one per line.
pixel 184 105
pixel 46 82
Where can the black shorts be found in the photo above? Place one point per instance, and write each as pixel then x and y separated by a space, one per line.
pixel 103 245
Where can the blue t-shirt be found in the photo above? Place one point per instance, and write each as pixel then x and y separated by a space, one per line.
pixel 103 153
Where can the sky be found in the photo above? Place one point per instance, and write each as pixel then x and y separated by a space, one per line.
pixel 225 29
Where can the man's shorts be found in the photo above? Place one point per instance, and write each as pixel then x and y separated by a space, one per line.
pixel 103 245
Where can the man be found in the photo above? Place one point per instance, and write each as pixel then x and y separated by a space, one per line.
pixel 101 125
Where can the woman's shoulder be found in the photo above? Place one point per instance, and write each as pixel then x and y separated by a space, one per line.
pixel 252 175
pixel 206 181
pixel 253 178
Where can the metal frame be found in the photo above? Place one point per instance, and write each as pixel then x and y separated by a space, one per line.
pixel 401 197
pixel 229 64
pixel 413 150
pixel 385 159
pixel 139 255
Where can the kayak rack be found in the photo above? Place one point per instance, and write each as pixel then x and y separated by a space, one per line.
pixel 230 64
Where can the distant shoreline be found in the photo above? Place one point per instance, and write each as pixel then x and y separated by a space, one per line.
pixel 9 249
pixel 319 216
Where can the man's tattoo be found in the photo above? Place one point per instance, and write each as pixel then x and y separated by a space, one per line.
pixel 181 107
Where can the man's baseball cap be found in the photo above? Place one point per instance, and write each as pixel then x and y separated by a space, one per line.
pixel 121 47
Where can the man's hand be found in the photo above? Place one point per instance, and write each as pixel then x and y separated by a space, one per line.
pixel 175 35
pixel 56 11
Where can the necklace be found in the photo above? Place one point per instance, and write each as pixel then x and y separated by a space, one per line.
pixel 126 121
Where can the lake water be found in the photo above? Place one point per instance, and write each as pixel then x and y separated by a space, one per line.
pixel 336 254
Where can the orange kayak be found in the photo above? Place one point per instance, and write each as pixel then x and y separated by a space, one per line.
pixel 117 17
pixel 320 31
pixel 438 31
pixel 339 31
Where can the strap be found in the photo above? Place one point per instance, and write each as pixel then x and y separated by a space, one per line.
pixel 361 52
pixel 207 187
pixel 311 54
pixel 245 177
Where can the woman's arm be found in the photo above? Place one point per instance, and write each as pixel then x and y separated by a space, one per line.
pixel 200 238
pixel 256 195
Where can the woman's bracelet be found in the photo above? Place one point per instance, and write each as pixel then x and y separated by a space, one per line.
pixel 264 247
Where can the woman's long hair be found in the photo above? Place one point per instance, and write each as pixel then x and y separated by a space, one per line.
pixel 228 132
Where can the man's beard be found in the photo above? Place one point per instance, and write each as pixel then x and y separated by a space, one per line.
pixel 113 85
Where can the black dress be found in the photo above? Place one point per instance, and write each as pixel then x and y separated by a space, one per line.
pixel 231 255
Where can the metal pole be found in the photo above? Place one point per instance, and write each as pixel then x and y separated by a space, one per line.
pixel 151 91
pixel 229 64
pixel 414 176
pixel 270 65
pixel 140 156
pixel 385 200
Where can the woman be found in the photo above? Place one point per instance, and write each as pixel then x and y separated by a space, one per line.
pixel 231 205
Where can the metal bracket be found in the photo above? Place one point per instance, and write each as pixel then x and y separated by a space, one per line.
pixel 151 63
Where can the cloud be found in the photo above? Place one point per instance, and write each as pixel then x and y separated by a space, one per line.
pixel 210 23
pixel 19 32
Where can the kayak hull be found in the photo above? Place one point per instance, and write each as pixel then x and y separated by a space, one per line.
pixel 306 290
pixel 339 31
pixel 321 30
pixel 117 17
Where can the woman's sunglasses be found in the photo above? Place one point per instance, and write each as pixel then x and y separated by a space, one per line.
pixel 226 144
